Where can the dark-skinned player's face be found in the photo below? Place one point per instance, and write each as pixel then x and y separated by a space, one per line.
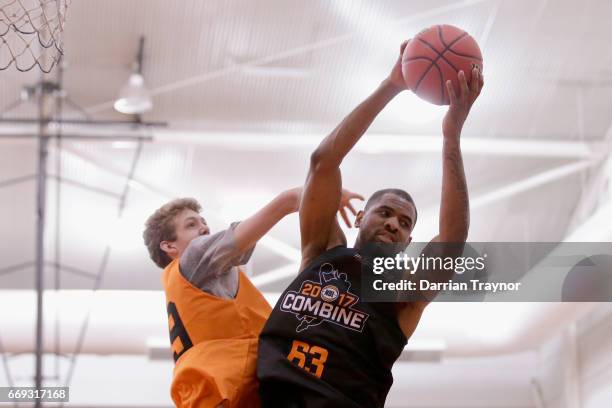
pixel 390 219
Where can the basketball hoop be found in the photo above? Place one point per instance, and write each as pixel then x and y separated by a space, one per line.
pixel 31 33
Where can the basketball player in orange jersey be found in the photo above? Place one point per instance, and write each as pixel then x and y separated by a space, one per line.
pixel 215 314
pixel 323 346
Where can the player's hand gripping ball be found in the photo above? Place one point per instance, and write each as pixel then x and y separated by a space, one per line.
pixel 436 55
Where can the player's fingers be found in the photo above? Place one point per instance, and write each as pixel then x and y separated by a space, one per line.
pixel 357 196
pixel 451 92
pixel 345 217
pixel 403 46
pixel 350 207
pixel 463 84
pixel 475 83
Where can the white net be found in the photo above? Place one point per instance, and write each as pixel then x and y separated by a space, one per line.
pixel 31 33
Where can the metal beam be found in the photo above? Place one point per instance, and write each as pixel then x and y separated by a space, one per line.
pixel 530 183
pixel 82 129
pixel 84 122
pixel 85 186
pixel 14 268
pixel 372 143
pixel 427 227
pixel 386 143
pixel 72 270
pixel 17 180
pixel 130 176
pixel 486 31
pixel 591 219
pixel 41 192
pixel 536 394
pixel 88 138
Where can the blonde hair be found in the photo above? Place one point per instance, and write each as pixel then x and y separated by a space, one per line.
pixel 160 226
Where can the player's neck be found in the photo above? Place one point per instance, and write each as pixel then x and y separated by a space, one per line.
pixel 358 245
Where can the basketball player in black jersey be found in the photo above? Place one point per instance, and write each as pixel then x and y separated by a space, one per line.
pixel 322 345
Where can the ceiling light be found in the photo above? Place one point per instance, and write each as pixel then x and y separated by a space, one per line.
pixel 134 97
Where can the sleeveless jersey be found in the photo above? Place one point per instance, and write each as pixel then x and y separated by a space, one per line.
pixel 322 346
pixel 214 342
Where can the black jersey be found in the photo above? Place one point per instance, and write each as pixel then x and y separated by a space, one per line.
pixel 324 347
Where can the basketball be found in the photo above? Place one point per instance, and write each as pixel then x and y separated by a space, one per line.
pixel 436 55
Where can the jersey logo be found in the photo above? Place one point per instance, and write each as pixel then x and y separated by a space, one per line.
pixel 328 299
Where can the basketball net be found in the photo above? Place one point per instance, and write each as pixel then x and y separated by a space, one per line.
pixel 31 33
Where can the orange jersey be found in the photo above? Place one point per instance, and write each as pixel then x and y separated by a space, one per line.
pixel 214 341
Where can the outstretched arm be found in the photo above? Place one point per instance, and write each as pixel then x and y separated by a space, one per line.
pixel 323 183
pixel 211 256
pixel 249 231
pixel 454 207
pixel 454 204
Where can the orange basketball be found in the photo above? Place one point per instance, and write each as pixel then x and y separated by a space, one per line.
pixel 436 55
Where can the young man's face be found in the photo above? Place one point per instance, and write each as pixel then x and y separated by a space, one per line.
pixel 188 225
pixel 389 220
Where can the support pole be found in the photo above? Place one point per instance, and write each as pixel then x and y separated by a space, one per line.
pixel 41 191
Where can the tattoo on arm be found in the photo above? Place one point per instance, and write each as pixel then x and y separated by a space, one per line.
pixel 455 166
pixel 454 211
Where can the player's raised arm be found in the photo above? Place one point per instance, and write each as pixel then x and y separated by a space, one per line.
pixel 249 231
pixel 454 205
pixel 323 185
pixel 252 229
